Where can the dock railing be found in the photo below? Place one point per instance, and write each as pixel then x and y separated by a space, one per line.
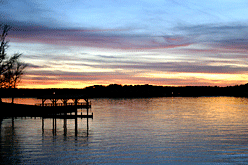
pixel 62 104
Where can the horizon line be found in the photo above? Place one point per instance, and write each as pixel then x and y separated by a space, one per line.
pixel 140 85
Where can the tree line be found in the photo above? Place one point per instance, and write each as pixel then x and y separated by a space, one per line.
pixel 135 91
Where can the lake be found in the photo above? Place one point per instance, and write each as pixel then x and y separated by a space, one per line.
pixel 201 130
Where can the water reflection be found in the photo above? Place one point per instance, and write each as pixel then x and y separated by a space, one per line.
pixel 54 126
pixel 202 130
pixel 25 139
pixel 9 143
pixel 178 129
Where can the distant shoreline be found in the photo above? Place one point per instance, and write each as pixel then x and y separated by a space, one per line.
pixel 132 91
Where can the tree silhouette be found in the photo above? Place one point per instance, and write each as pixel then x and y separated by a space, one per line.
pixel 11 68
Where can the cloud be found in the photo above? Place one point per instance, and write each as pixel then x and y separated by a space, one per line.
pixel 27 13
pixel 101 38
pixel 33 66
pixel 226 37
pixel 60 75
pixel 192 64
pixel 181 67
pixel 229 36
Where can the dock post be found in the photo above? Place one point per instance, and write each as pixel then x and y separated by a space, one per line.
pixel 54 126
pixel 87 126
pixel 65 126
pixel 87 102
pixel 75 102
pixel 42 126
pixel 13 122
pixel 76 125
pixel 65 102
pixel 43 102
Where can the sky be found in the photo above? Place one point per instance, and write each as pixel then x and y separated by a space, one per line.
pixel 79 43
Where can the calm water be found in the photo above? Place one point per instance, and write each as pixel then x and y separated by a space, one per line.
pixel 204 130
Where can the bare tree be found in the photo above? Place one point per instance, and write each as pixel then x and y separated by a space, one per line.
pixel 11 68
pixel 4 43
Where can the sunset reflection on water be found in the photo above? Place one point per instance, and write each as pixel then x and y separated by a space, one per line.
pixel 151 130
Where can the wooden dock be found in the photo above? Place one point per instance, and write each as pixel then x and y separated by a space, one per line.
pixel 62 100
pixel 53 107
pixel 58 107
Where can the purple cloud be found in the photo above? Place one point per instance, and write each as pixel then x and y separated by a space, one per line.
pixel 102 38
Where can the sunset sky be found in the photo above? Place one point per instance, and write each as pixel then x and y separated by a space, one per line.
pixel 79 43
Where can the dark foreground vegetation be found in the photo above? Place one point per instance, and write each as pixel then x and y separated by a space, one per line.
pixel 130 91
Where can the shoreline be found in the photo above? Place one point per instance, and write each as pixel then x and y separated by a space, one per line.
pixel 130 91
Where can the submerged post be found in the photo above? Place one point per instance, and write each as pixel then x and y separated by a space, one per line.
pixel 87 127
pixel 76 126
pixel 65 127
pixel 54 126
pixel 13 122
pixel 42 126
